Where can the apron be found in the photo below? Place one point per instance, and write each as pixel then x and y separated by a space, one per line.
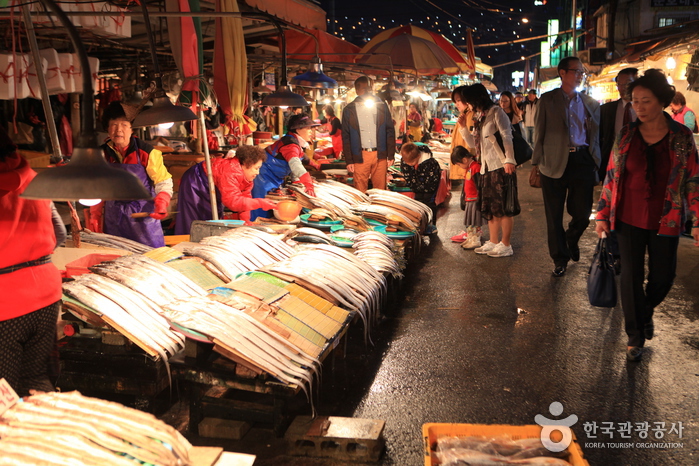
pixel 193 200
pixel 272 174
pixel 117 214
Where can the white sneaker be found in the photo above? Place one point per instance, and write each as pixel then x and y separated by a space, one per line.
pixel 486 248
pixel 501 251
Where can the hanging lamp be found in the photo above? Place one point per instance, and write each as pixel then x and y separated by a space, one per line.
pixel 314 77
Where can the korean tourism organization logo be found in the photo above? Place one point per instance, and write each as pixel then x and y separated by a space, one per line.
pixel 607 434
pixel 551 425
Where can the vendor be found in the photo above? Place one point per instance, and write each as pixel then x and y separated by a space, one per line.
pixel 414 124
pixel 334 128
pixel 284 158
pixel 31 285
pixel 233 178
pixel 126 151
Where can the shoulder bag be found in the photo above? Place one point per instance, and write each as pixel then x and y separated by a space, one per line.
pixel 523 151
pixel 601 280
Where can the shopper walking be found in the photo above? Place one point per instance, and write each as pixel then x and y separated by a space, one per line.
pixel 614 116
pixel 529 115
pixel 368 137
pixel 566 150
pixel 512 111
pixel 652 183
pixel 497 170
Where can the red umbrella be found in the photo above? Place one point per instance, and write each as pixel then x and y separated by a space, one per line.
pixel 442 42
pixel 410 54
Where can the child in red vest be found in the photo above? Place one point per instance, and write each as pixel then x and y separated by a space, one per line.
pixel 471 237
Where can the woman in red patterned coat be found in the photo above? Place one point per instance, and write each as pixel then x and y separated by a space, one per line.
pixel 652 184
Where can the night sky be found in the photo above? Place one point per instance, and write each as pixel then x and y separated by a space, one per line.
pixel 491 21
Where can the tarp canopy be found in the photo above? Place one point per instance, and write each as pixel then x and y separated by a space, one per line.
pixel 299 12
pixel 300 46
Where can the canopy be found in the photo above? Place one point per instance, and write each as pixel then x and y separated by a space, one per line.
pixel 465 65
pixel 409 54
pixel 300 46
pixel 299 12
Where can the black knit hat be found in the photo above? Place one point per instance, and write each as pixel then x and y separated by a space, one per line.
pixel 301 121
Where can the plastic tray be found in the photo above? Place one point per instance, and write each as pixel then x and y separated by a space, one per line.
pixel 432 431
pixel 323 224
pixel 81 266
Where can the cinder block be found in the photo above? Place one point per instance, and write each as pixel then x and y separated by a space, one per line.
pixel 346 439
pixel 223 428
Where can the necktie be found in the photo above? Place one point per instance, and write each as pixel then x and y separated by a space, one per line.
pixel 627 114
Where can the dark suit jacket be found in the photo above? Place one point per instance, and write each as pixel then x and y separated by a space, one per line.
pixel 606 133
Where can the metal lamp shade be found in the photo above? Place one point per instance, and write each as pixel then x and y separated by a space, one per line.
pixel 314 77
pixel 86 176
pixel 163 111
pixel 284 98
pixel 443 96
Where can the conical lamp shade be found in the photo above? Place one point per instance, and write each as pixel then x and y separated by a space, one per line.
pixel 163 111
pixel 86 176
pixel 314 77
pixel 284 98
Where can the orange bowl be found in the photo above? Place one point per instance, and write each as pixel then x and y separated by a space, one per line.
pixel 287 210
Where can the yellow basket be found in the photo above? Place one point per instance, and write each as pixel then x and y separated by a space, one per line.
pixel 432 431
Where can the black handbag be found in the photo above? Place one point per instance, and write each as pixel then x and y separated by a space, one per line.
pixel 601 281
pixel 523 151
pixel 511 206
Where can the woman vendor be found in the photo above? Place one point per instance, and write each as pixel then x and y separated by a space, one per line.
pixel 333 126
pixel 126 151
pixel 284 158
pixel 233 178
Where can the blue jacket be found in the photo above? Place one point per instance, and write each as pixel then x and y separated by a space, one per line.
pixel 351 138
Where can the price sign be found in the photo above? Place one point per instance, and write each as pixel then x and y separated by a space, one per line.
pixel 8 397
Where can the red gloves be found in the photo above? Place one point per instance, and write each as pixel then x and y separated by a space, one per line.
pixel 96 218
pixel 307 183
pixel 266 204
pixel 162 201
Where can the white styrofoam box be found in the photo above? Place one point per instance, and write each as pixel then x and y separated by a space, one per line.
pixel 94 69
pixel 31 75
pixel 55 83
pixel 90 22
pixel 13 82
pixel 117 25
pixel 68 71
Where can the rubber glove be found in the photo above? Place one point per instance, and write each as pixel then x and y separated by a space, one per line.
pixel 162 201
pixel 266 204
pixel 307 183
pixel 96 218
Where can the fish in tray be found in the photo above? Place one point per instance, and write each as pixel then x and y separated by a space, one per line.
pixel 404 203
pixel 379 251
pixel 68 428
pixel 103 239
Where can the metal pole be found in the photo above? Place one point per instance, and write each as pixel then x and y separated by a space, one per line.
pixel 207 161
pixel 45 100
pixel 575 29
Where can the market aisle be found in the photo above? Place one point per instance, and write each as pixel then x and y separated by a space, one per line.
pixel 484 340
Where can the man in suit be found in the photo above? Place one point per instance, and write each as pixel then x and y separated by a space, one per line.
pixel 566 150
pixel 368 137
pixel 614 115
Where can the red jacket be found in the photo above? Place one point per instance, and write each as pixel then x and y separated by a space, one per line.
pixel 26 233
pixel 236 191
pixel 682 185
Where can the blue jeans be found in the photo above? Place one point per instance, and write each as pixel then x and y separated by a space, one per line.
pixel 529 135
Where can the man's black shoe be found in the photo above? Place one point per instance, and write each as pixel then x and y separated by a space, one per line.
pixel 559 271
pixel 574 252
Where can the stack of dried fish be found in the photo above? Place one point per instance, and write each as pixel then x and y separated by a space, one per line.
pixel 409 207
pixel 379 251
pixel 389 216
pixel 345 279
pixel 71 429
pixel 238 250
pixel 111 241
pixel 333 196
pixel 245 340
pixel 128 293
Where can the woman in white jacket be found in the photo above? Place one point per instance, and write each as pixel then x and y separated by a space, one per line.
pixel 497 164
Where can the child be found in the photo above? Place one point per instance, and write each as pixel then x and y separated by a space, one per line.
pixel 422 174
pixel 471 237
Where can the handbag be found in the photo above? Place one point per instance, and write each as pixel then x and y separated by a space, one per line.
pixel 601 281
pixel 511 207
pixel 523 151
pixel 535 177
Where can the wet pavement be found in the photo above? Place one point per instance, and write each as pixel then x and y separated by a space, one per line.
pixel 474 339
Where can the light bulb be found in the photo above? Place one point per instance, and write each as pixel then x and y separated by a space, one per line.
pixel 369 103
pixel 89 202
pixel 283 107
pixel 670 63
pixel 166 125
